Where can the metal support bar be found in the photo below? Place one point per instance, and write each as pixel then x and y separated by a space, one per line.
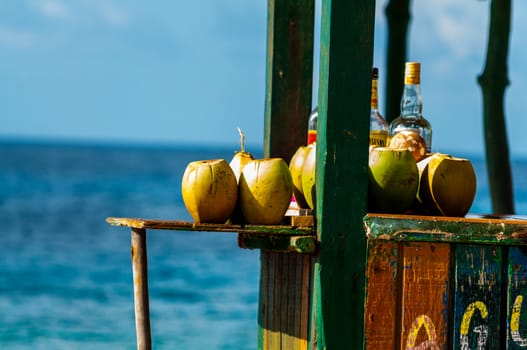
pixel 141 303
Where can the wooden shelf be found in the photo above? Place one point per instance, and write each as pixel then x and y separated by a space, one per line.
pixel 280 238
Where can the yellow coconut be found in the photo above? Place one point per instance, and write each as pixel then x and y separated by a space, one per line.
pixel 296 166
pixel 241 158
pixel 308 177
pixel 449 185
pixel 393 180
pixel 425 202
pixel 265 191
pixel 209 190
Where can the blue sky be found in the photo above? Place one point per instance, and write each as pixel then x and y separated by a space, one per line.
pixel 194 71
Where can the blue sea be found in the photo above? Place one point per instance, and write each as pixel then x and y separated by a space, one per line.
pixel 65 275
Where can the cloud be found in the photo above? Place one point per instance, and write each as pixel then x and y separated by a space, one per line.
pixel 10 37
pixel 82 11
pixel 116 17
pixel 459 27
pixel 54 9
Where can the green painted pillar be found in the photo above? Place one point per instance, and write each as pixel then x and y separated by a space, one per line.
pixel 289 76
pixel 346 60
pixel 283 312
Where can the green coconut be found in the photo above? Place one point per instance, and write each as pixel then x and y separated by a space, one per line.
pixel 392 181
pixel 209 190
pixel 296 166
pixel 265 190
pixel 308 177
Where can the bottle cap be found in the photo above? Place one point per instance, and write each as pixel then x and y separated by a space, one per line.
pixel 412 74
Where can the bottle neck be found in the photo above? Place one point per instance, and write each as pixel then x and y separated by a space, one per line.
pixel 411 101
pixel 374 95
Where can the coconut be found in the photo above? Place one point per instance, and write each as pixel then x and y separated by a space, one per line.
pixel 265 191
pixel 237 163
pixel 425 202
pixel 209 190
pixel 412 141
pixel 296 166
pixel 447 184
pixel 241 158
pixel 392 181
pixel 308 177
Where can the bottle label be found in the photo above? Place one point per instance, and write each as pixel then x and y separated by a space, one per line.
pixel 311 136
pixel 378 138
pixel 374 98
pixel 412 80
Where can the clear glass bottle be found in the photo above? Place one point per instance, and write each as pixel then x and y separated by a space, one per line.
pixel 411 119
pixel 378 125
pixel 312 126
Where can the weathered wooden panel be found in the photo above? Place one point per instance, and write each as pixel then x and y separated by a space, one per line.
pixel 517 292
pixel 381 295
pixel 284 301
pixel 477 297
pixel 425 295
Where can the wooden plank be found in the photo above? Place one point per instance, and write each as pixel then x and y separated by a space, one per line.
pixel 516 295
pixel 381 296
pixel 300 220
pixel 446 229
pixel 477 297
pixel 301 244
pixel 289 75
pixel 283 294
pixel 305 298
pixel 424 269
pixel 274 326
pixel 284 301
pixel 191 226
pixel 141 300
pixel 346 59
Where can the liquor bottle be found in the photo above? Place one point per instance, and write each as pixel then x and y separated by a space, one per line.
pixel 312 126
pixel 378 125
pixel 411 122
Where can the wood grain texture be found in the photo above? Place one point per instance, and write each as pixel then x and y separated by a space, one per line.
pixel 284 301
pixel 381 296
pixel 424 269
pixel 178 225
pixel 479 230
pixel 516 298
pixel 477 297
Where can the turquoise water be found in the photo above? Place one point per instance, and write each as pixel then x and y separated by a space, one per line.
pixel 65 275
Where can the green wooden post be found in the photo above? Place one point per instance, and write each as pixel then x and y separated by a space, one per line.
pixel 346 60
pixel 285 277
pixel 289 76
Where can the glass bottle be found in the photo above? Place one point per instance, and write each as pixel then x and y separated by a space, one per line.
pixel 378 125
pixel 411 120
pixel 312 126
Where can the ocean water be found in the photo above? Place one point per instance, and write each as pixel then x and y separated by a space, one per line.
pixel 65 275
